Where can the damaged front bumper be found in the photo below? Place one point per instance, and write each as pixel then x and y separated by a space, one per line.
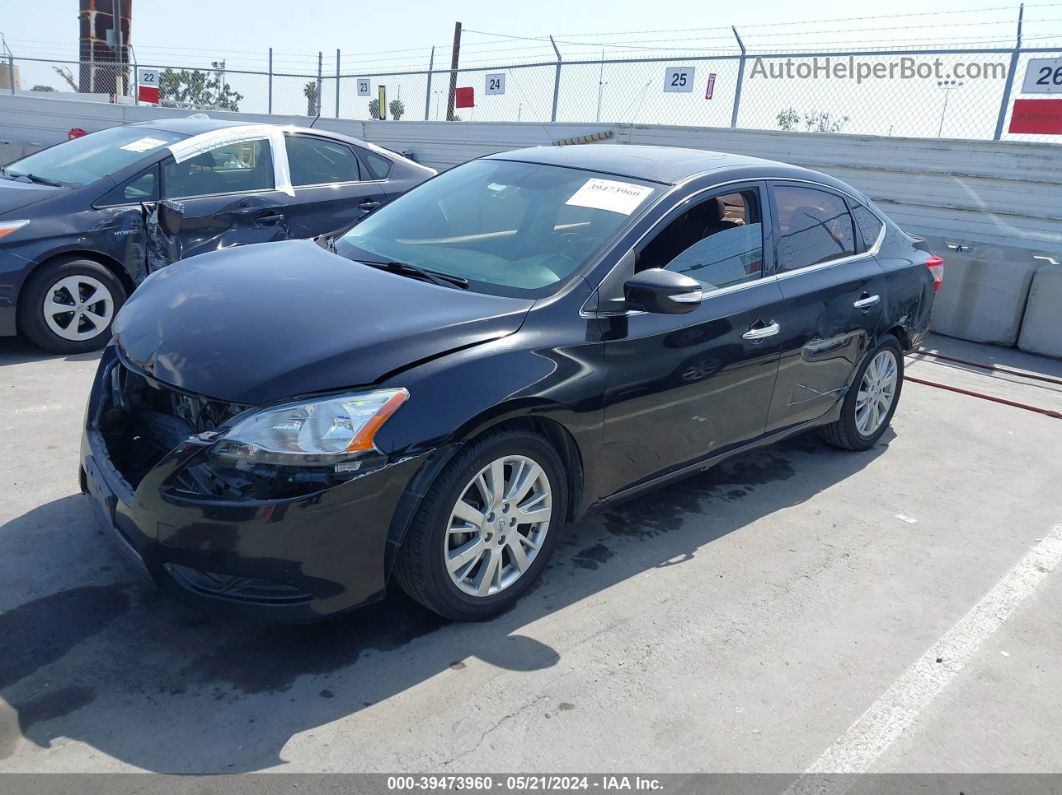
pixel 291 559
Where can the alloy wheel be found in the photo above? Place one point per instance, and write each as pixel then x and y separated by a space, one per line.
pixel 877 391
pixel 78 308
pixel 497 527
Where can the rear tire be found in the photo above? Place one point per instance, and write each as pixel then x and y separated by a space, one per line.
pixel 871 401
pixel 68 305
pixel 473 550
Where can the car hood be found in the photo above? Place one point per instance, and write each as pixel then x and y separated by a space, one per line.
pixel 15 194
pixel 267 322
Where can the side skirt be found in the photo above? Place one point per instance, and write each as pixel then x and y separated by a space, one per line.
pixel 708 463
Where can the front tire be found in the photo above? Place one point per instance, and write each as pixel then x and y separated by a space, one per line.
pixel 870 403
pixel 68 305
pixel 486 528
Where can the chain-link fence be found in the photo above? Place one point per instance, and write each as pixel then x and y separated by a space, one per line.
pixel 925 93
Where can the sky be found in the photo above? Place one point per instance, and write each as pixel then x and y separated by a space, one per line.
pixel 375 38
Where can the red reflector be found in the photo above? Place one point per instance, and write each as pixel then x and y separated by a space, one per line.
pixel 465 97
pixel 936 267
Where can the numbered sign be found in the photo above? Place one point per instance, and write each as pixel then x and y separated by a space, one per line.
pixel 678 78
pixel 364 87
pixel 148 90
pixel 1043 76
pixel 495 84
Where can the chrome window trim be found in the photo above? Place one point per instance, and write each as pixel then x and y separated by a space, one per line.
pixel 274 189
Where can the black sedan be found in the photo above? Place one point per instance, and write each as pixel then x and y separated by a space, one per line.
pixel 432 396
pixel 79 221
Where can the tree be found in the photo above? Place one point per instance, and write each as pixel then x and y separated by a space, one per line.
pixel 374 109
pixel 310 92
pixel 816 121
pixel 822 121
pixel 68 76
pixel 397 109
pixel 41 87
pixel 197 89
pixel 788 119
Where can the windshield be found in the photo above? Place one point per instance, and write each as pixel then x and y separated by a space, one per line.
pixel 91 157
pixel 508 227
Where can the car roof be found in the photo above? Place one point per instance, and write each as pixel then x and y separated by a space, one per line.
pixel 190 125
pixel 665 164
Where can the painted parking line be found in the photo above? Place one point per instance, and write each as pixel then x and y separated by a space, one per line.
pixel 887 718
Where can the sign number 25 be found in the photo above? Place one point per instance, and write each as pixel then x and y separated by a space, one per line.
pixel 678 79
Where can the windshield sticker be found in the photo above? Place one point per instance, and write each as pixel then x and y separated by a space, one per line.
pixel 611 195
pixel 143 144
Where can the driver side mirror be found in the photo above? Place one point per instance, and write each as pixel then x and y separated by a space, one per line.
pixel 170 215
pixel 662 292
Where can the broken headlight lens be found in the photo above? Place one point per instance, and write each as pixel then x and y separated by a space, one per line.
pixel 325 431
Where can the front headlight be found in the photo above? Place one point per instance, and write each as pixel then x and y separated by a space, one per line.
pixel 325 431
pixel 7 227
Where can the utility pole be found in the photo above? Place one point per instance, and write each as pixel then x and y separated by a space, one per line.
pixel 427 91
pixel 119 79
pixel 947 86
pixel 1005 102
pixel 600 84
pixel 454 60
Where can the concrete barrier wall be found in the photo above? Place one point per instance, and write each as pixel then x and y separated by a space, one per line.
pixel 1041 330
pixel 46 121
pixel 992 210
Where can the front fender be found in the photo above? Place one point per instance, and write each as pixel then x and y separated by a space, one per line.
pixel 460 396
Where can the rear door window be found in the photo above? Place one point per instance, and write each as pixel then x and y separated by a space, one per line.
pixel 814 226
pixel 315 161
pixel 232 168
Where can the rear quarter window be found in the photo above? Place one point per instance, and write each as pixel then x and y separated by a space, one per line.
pixel 869 225
pixel 379 166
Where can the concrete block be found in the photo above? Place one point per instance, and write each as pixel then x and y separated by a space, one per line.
pixel 1041 329
pixel 984 291
pixel 10 151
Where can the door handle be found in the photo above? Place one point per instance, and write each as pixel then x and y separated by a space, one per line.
pixel 866 302
pixel 369 204
pixel 761 332
pixel 268 218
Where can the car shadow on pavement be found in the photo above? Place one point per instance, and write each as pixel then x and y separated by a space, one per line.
pixel 107 662
pixel 17 350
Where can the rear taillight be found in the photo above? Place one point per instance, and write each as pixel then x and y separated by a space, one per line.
pixel 936 267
